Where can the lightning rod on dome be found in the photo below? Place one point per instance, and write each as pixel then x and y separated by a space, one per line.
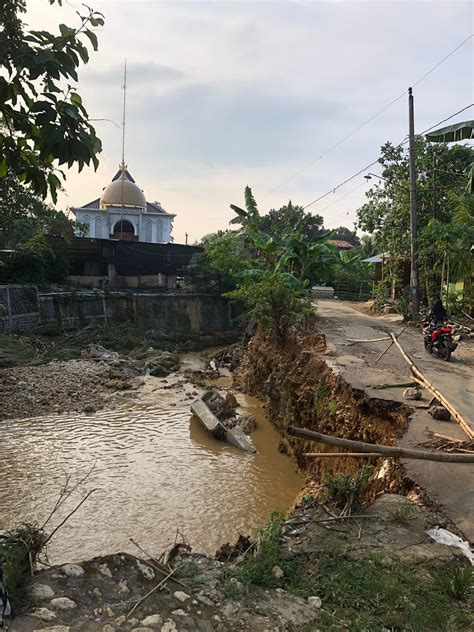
pixel 124 87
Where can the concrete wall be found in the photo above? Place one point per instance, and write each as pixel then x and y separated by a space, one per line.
pixel 172 312
pixel 19 307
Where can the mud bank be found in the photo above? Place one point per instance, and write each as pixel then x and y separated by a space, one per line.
pixel 386 574
pixel 297 387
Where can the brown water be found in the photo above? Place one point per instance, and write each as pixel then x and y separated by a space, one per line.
pixel 156 470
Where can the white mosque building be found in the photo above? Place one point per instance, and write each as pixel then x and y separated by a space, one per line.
pixel 122 212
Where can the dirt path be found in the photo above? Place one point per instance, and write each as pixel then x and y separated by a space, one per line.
pixel 449 484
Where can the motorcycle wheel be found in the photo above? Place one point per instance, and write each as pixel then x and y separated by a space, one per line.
pixel 444 351
pixel 428 347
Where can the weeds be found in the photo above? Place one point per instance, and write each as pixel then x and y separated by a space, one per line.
pixel 345 491
pixel 332 407
pixel 458 582
pixel 404 513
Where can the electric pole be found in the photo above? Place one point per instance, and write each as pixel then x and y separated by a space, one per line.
pixel 415 296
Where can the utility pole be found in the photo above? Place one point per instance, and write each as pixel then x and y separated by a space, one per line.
pixel 415 295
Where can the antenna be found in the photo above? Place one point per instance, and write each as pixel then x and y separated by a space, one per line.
pixel 124 106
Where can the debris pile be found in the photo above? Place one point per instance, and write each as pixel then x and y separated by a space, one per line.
pixel 226 409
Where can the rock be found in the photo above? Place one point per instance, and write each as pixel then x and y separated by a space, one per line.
pixel 98 352
pixel 146 571
pixel 169 626
pixel 63 603
pixel 412 393
pixel 55 628
pixel 315 602
pixel 104 570
pixel 151 620
pixel 141 629
pixel 72 570
pixel 121 619
pixel 181 596
pixel 246 423
pixel 156 370
pixel 97 592
pixel 179 613
pixel 283 447
pixel 123 586
pixel 277 572
pixel 44 614
pixel 205 600
pixel 108 628
pixel 440 413
pixel 41 591
pixel 231 400
pixel 89 408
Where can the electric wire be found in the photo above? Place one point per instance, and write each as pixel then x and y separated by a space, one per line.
pixel 374 116
pixel 334 189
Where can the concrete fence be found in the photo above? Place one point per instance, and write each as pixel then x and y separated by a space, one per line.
pixel 24 307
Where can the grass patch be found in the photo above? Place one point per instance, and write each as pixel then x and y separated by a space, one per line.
pixel 18 350
pixel 370 594
pixel 345 490
pixel 49 342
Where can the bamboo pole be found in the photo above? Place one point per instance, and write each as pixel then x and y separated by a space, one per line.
pixel 388 348
pixel 336 454
pixel 368 339
pixel 421 379
pixel 391 451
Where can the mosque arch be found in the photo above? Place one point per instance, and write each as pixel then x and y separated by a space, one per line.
pixel 98 227
pixel 159 230
pixel 148 231
pixel 86 221
pixel 124 226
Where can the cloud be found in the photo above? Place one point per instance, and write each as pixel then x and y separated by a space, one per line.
pixel 224 94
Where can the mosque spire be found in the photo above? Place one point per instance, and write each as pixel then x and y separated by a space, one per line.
pixel 124 87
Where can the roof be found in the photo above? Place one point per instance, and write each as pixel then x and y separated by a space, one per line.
pixel 340 243
pixel 452 133
pixel 132 189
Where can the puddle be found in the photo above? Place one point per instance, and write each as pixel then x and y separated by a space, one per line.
pixel 156 471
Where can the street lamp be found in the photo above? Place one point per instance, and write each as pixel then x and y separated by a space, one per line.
pixel 369 176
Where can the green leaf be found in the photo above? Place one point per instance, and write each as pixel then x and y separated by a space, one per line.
pixel 75 98
pixel 92 37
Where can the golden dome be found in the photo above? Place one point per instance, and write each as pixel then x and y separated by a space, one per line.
pixel 122 192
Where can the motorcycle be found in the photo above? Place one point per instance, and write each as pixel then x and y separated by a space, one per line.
pixel 439 339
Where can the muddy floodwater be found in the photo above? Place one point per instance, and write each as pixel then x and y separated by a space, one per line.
pixel 155 470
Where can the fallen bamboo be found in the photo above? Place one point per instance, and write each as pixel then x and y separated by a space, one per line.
pixel 391 451
pixel 381 355
pixel 399 385
pixel 421 379
pixel 335 454
pixel 369 339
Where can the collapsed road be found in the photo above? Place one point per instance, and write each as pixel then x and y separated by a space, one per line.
pixel 452 486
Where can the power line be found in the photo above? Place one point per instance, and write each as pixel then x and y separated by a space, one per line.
pixel 334 189
pixel 371 118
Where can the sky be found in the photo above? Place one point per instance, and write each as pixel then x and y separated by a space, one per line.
pixel 222 94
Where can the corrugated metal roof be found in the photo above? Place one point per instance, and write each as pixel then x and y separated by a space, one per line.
pixel 93 204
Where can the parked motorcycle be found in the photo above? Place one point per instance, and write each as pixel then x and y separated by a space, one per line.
pixel 438 338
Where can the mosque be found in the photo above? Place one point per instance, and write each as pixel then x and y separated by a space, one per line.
pixel 123 213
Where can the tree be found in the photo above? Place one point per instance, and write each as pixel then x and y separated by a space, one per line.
pixel 288 217
pixel 25 222
pixel 441 170
pixel 345 234
pixel 43 123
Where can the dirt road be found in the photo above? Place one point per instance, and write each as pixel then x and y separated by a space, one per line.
pixel 451 485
